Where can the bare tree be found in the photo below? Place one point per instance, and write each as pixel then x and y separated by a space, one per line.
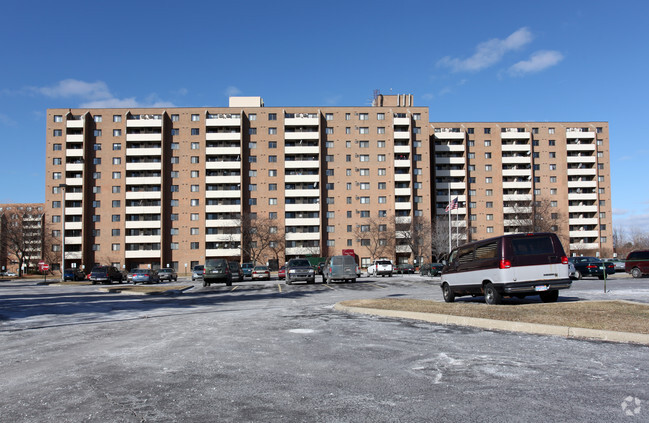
pixel 439 238
pixel 256 236
pixel 377 236
pixel 22 239
pixel 277 244
pixel 416 234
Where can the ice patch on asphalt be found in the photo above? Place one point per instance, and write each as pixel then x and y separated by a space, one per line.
pixel 301 330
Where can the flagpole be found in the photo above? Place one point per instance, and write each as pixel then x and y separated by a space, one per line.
pixel 450 210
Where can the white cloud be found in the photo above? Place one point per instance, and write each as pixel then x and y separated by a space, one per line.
pixel 232 91
pixel 488 53
pixel 537 62
pixel 95 95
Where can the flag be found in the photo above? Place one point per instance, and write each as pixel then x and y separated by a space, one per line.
pixel 452 205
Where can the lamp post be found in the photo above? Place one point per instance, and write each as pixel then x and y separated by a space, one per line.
pixel 62 189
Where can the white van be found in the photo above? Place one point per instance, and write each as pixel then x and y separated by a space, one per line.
pixel 510 265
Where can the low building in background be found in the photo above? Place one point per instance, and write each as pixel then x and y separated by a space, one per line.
pixel 22 241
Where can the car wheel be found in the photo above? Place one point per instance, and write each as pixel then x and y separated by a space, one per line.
pixel 354 280
pixel 447 293
pixel 491 296
pixel 228 283
pixel 601 278
pixel 549 296
pixel 310 280
pixel 577 274
pixel 636 273
pixel 288 282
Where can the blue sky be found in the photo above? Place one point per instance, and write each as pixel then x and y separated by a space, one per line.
pixel 465 60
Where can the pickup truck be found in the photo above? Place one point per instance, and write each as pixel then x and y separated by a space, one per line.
pixel 380 267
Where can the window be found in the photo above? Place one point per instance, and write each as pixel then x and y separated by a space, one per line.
pixel 58 118
pixel 252 131
pixel 57 147
pixel 194 188
pixel 380 116
pixel 364 144
pixel 117 146
pixel 553 167
pixel 550 131
pixel 272 131
pixel 252 116
pixel 363 130
pixel 381 157
pixel 272 215
pixel 363 116
pixel 329 116
pixel 487 131
pixel 175 146
pixel 272 144
pixel 490 229
pixel 115 218
pixel 117 132
pixel 194 245
pixel 174 174
pixel 329 131
pixel 56 204
pixel 364 157
pixel 96 147
pixel 175 118
pixel 489 204
pixel 365 185
pixel 57 161
pixel 383 199
pixel 194 216
pixel 252 159
pixel 96 175
pixel 252 187
pixel 552 142
pixel 252 202
pixel 272 116
pixel 194 202
pixel 472 204
pixel 117 175
pixel 471 155
pixel 272 159
pixel 490 217
pixel 382 172
pixel 272 201
pixel 488 180
pixel 96 218
pixel 175 131
pixel 195 146
pixel 365 200
pixel 174 188
pixel 553 179
pixel 252 145
pixel 97 132
pixel 196 118
pixel 195 131
pixel 487 168
pixel 382 185
pixel 273 172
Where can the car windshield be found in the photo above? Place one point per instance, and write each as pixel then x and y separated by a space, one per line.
pixel 261 268
pixel 299 263
pixel 165 271
pixel 141 271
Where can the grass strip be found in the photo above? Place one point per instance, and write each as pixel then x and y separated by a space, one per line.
pixel 617 316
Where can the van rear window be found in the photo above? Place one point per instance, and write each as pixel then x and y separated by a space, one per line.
pixel 532 246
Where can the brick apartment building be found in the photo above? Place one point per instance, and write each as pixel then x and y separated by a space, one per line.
pixel 157 187
pixel 21 236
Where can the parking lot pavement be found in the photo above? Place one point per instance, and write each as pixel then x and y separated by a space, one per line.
pixel 270 352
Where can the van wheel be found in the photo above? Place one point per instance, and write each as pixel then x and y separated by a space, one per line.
pixel 491 296
pixel 636 273
pixel 549 296
pixel 577 274
pixel 447 293
pixel 288 282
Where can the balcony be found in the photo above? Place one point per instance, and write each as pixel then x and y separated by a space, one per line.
pixel 152 122
pixel 447 185
pixel 584 246
pixel 142 254
pixel 584 234
pixel 516 147
pixel 306 221
pixel 144 166
pixel 450 160
pixel 302 150
pixel 403 220
pixel 517 172
pixel 583 171
pixel 514 135
pixel 144 180
pixel 74 152
pixel 517 185
pixel 222 223
pixel 582 184
pixel 143 137
pixel 517 160
pixel 74 138
pixel 298 236
pixel 223 194
pixel 74 181
pixel 74 123
pixel 142 239
pixel 517 197
pixel 302 193
pixel 403 206
pixel 442 134
pixel 303 251
pixel 235 179
pixel 301 135
pixel 143 210
pixel 142 224
pixel 401 135
pixel 70 240
pixel 301 207
pixel 155 151
pixel 73 225
pixel 223 238
pixel 582 209
pixel 584 221
pixel 225 208
pixel 581 159
pixel 580 147
pixel 402 191
pixel 74 167
pixel 572 133
pixel 302 119
pixel 230 165
pixel 449 148
pixel 301 164
pixel 224 120
pixel 403 249
pixel 402 177
pixel 143 195
pixel 302 178
pixel 456 173
pixel 223 252
pixel 578 196
pixel 223 136
pixel 400 121
pixel 401 149
pixel 74 196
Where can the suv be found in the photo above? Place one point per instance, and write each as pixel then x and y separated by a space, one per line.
pixel 236 271
pixel 380 267
pixel 299 270
pixel 509 265
pixel 105 274
pixel 217 271
pixel 637 263
pixel 167 274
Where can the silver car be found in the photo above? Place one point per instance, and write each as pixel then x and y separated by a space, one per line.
pixel 198 272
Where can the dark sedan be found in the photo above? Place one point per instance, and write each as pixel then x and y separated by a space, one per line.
pixel 591 266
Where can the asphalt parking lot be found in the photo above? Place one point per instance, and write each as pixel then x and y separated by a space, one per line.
pixel 265 351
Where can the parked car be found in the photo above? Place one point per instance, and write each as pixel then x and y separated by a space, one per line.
pixel 637 263
pixel 509 265
pixel 380 267
pixel 167 274
pixel 145 276
pixel 105 274
pixel 405 269
pixel 236 271
pixel 572 272
pixel 74 275
pixel 11 274
pixel 217 271
pixel 619 264
pixel 247 269
pixel 340 268
pixel 260 272
pixel 129 275
pixel 281 273
pixel 299 269
pixel 198 272
pixel 591 266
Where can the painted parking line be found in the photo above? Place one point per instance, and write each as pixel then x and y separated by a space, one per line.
pixel 279 287
pixel 237 286
pixel 329 287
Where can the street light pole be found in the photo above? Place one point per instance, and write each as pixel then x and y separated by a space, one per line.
pixel 62 188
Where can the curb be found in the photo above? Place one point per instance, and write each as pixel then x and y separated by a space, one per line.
pixel 502 325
